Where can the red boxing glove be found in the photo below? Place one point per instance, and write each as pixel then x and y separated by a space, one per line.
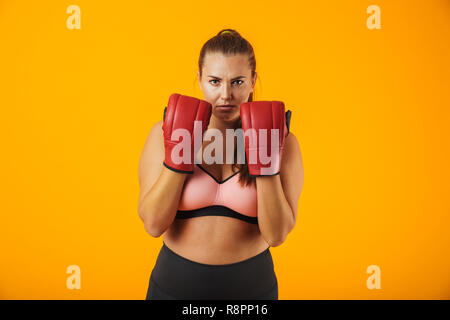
pixel 184 118
pixel 265 127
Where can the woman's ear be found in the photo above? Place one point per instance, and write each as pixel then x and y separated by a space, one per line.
pixel 199 82
pixel 254 81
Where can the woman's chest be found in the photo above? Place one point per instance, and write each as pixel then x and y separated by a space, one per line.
pixel 203 190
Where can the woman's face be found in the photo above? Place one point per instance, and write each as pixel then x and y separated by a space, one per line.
pixel 226 82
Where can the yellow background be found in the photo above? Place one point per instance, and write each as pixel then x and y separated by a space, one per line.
pixel 370 109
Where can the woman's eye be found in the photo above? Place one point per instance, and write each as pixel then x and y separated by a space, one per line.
pixel 214 81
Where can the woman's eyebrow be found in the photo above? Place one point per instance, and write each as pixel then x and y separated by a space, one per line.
pixel 240 77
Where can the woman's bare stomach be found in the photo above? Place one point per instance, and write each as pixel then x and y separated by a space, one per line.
pixel 214 239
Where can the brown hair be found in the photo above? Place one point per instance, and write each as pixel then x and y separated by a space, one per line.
pixel 230 42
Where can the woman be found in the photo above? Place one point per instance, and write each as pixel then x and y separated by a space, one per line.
pixel 217 247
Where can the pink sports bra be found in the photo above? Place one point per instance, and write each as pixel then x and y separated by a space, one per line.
pixel 204 195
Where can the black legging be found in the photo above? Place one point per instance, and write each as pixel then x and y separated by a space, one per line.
pixel 177 278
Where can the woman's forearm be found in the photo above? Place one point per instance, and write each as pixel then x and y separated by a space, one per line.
pixel 159 206
pixel 275 216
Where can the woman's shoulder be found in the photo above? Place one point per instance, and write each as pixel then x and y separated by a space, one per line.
pixel 291 150
pixel 291 141
pixel 155 139
pixel 157 130
pixel 158 125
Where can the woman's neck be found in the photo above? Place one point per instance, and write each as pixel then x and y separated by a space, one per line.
pixel 221 125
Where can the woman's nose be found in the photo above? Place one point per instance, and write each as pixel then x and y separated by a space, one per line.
pixel 226 92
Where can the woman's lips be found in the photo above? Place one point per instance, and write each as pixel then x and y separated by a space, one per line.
pixel 225 108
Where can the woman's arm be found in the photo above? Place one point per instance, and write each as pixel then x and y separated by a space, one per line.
pixel 160 188
pixel 278 195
